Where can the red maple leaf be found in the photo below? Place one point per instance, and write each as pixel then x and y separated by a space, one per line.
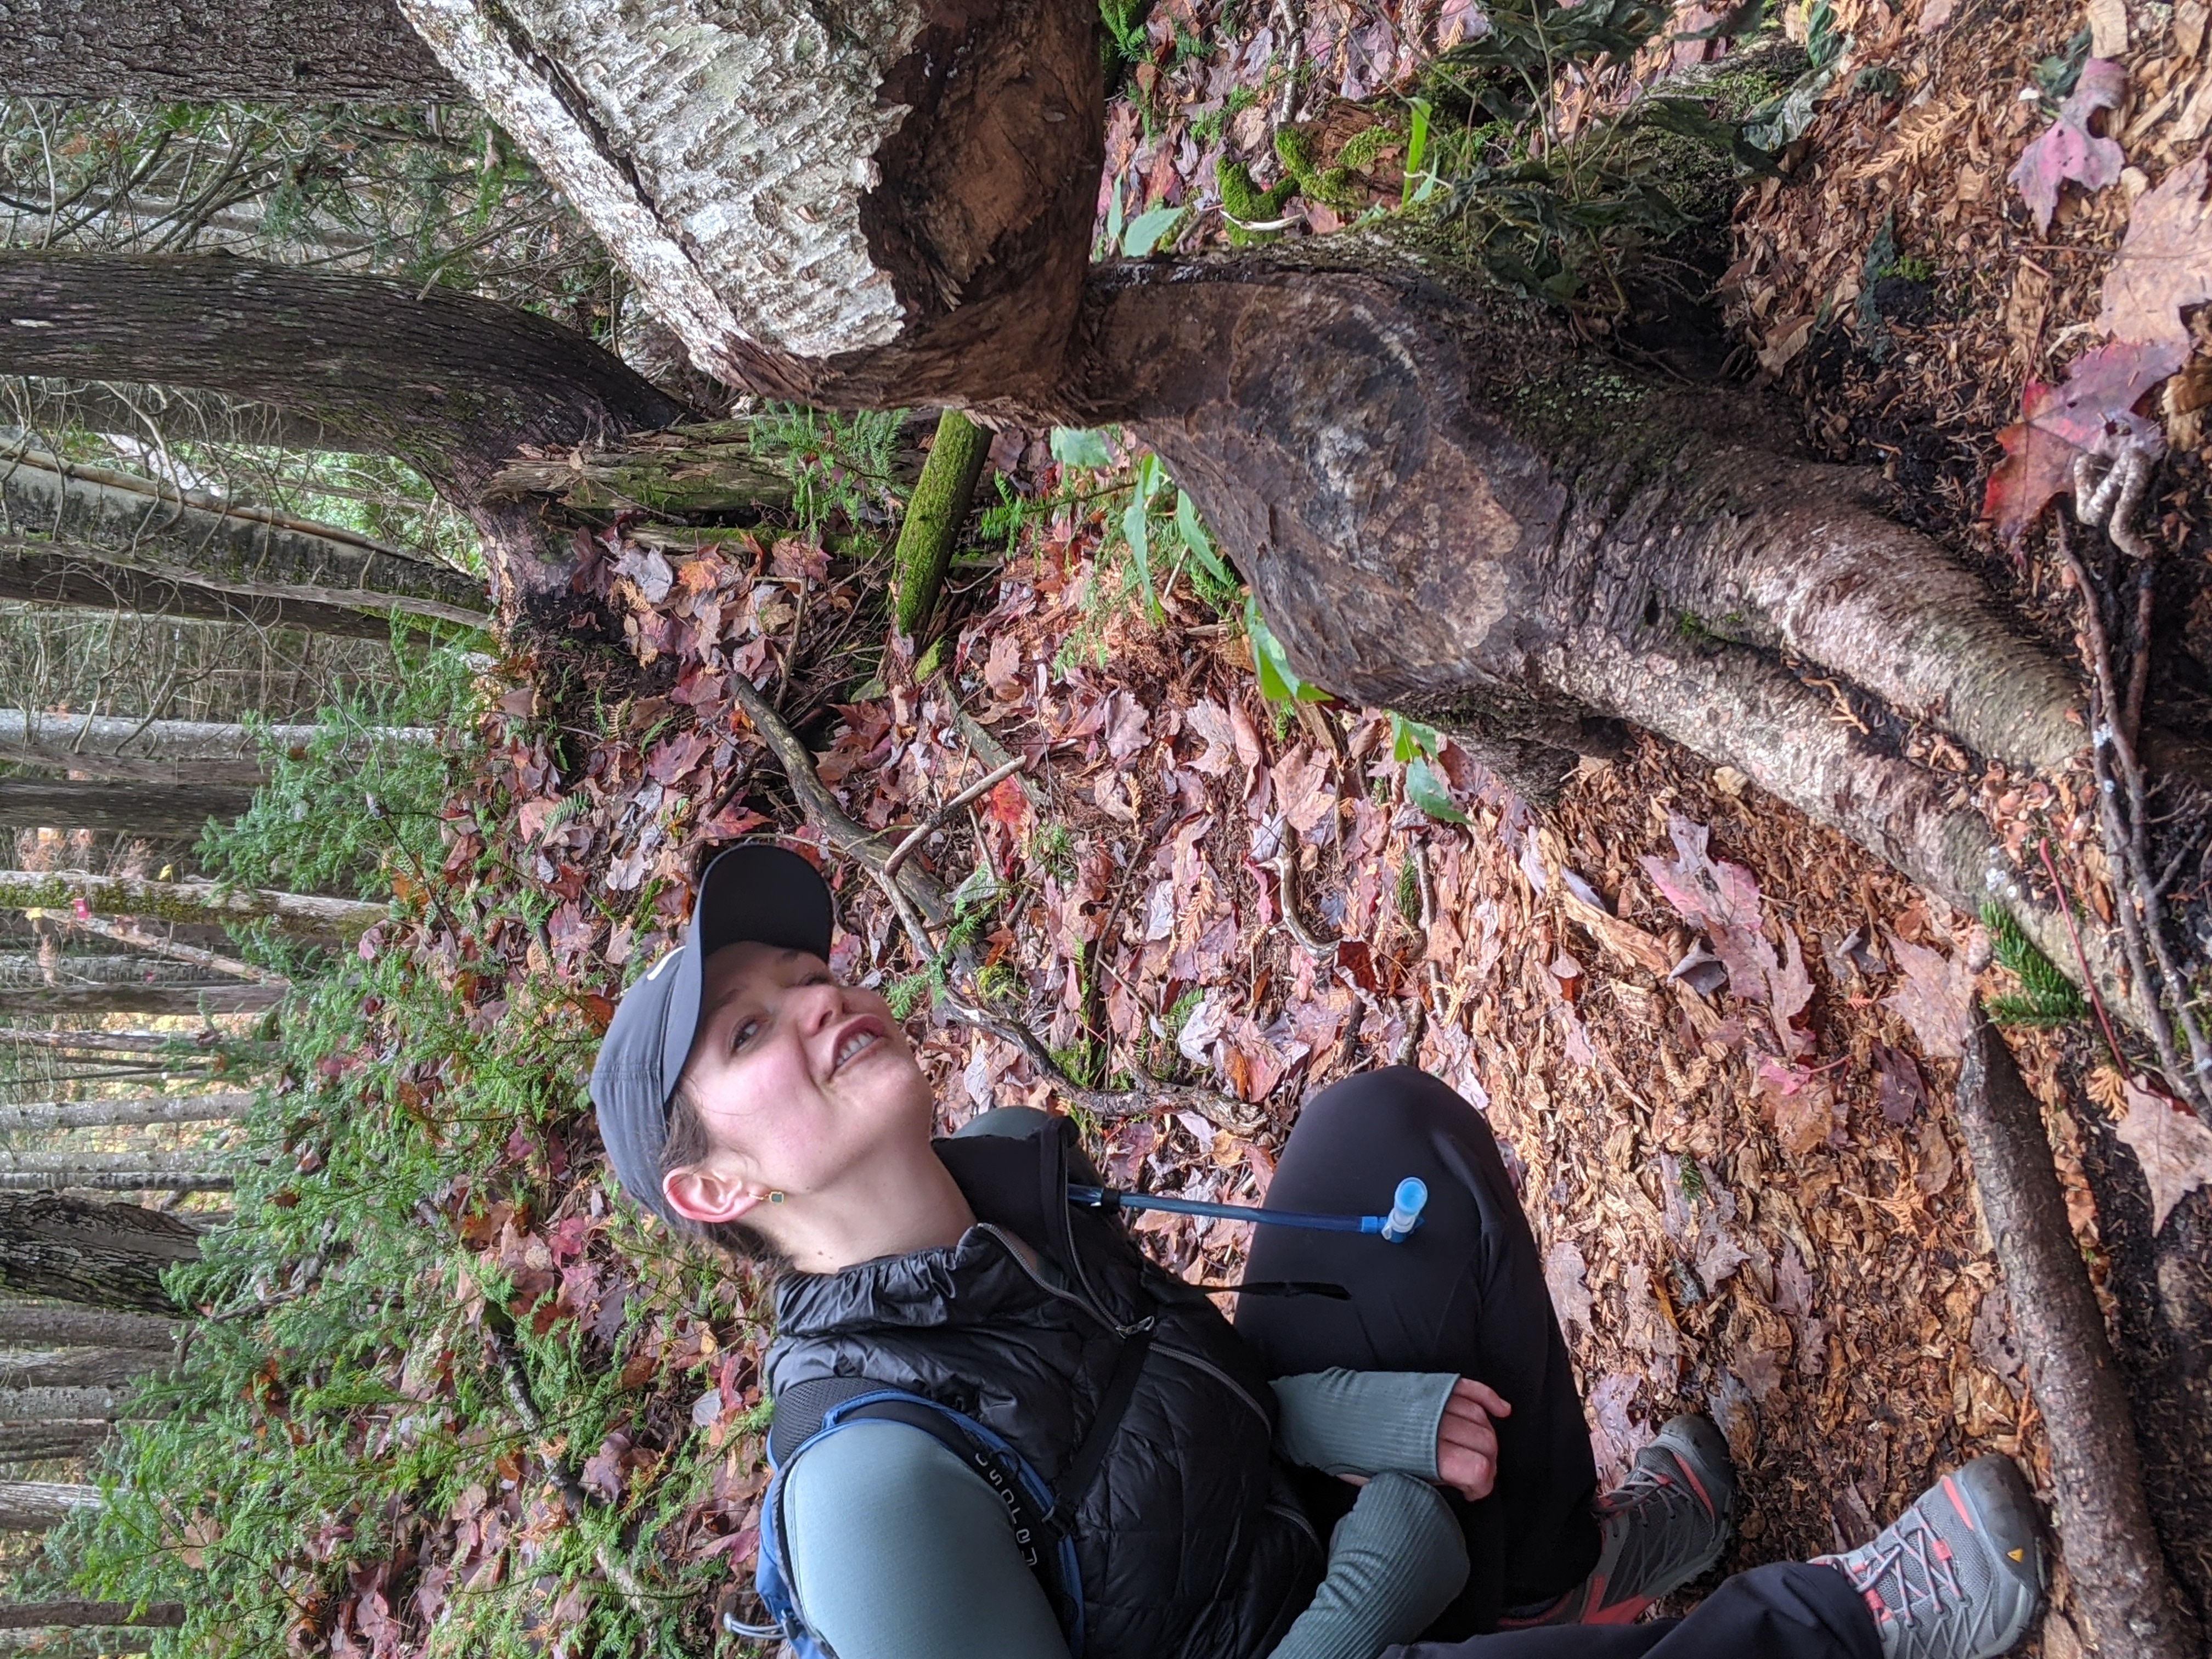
pixel 2060 423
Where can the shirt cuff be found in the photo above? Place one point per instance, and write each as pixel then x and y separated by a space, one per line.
pixel 1347 1422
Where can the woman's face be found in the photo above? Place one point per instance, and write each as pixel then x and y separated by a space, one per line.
pixel 801 1080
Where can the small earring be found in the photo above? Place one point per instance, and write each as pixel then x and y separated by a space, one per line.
pixel 775 1198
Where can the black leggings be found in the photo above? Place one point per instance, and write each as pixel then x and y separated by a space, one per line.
pixel 1465 1294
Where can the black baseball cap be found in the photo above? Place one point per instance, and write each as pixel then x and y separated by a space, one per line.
pixel 754 892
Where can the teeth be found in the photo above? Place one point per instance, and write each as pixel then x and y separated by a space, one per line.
pixel 857 1043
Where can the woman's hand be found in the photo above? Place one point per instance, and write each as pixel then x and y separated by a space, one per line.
pixel 1467 1443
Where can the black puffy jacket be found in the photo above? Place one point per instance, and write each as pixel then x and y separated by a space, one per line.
pixel 1189 1541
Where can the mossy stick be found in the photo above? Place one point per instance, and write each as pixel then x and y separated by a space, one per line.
pixel 934 517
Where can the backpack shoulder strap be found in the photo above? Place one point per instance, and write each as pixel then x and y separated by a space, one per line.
pixel 806 1411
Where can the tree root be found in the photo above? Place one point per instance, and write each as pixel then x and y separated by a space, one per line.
pixel 2113 1550
pixel 914 895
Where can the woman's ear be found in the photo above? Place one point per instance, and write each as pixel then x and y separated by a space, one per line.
pixel 700 1193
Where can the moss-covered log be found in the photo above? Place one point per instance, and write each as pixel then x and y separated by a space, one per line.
pixel 708 470
pixel 303 915
pixel 934 515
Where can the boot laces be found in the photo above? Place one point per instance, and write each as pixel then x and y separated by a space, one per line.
pixel 1934 1588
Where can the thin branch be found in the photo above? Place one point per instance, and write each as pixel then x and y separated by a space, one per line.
pixel 176 951
pixel 944 814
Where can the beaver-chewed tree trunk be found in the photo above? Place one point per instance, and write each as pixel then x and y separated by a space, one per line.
pixel 1444 502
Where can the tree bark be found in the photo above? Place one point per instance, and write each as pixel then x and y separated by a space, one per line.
pixel 2112 1549
pixel 73 1367
pixel 102 1643
pixel 127 749
pixel 454 383
pixel 21 969
pixel 159 812
pixel 923 230
pixel 111 1172
pixel 62 510
pixel 44 1325
pixel 85 1001
pixel 27 1443
pixel 59 1404
pixel 76 1615
pixel 37 1505
pixel 256 51
pixel 85 1250
pixel 303 915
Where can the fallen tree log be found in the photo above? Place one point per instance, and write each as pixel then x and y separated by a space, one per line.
pixel 76 1615
pixel 39 1506
pixel 40 1116
pixel 2113 1554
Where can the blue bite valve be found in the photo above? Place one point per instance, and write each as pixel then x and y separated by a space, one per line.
pixel 1412 1197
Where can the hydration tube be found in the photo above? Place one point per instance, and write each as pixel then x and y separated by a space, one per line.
pixel 1406 1206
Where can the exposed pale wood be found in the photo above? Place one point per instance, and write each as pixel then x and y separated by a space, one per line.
pixel 176 1172
pixel 176 950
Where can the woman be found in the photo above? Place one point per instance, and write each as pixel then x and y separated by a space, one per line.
pixel 999 1430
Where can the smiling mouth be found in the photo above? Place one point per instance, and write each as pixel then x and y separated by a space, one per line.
pixel 853 1047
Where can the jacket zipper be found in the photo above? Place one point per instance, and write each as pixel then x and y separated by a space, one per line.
pixel 1125 1332
pixel 1217 1375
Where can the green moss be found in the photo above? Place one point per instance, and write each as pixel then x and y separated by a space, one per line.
pixel 933 517
pixel 1244 201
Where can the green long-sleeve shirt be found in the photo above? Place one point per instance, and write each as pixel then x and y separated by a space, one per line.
pixel 899 1551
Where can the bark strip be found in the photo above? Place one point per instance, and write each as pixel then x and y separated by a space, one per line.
pixel 47 1324
pixel 2112 1549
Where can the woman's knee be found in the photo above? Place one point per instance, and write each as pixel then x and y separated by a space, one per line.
pixel 1391 1099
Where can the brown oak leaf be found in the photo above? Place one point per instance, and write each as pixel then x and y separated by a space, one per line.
pixel 2061 424
pixel 2171 1143
pixel 2164 263
pixel 1936 999
pixel 2068 149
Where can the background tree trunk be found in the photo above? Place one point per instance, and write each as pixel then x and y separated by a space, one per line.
pixel 85 1001
pixel 27 1443
pixel 73 1367
pixel 258 50
pixel 60 1405
pixel 32 575
pixel 57 509
pixel 158 752
pixel 111 1172
pixel 83 1251
pixel 454 383
pixel 46 1325
pixel 76 1615
pixel 37 1505
pixel 159 812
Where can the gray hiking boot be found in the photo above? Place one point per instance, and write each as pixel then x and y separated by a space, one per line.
pixel 1662 1527
pixel 1959 1574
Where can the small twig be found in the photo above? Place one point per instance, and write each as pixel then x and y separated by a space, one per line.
pixel 1285 864
pixel 2139 675
pixel 938 819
